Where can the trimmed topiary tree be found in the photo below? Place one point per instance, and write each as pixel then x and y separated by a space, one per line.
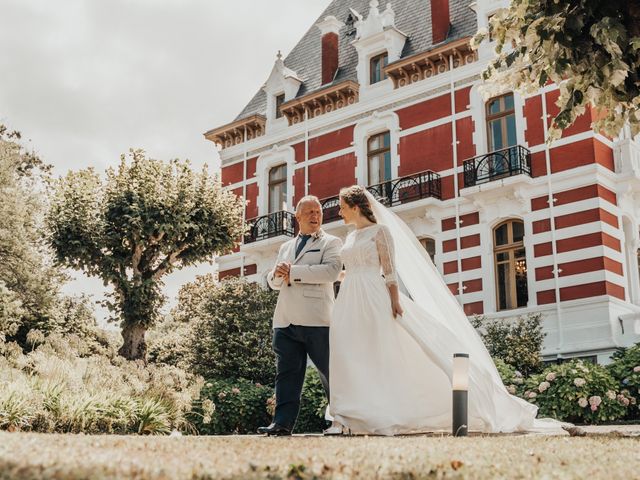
pixel 140 222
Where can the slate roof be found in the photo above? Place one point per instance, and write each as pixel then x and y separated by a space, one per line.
pixel 413 18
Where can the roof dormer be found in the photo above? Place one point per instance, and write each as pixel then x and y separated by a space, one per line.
pixel 376 37
pixel 281 86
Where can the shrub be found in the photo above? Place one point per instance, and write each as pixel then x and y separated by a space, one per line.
pixel 54 389
pixel 231 407
pixel 517 342
pixel 511 378
pixel 576 392
pixel 313 404
pixel 169 343
pixel 232 332
pixel 626 371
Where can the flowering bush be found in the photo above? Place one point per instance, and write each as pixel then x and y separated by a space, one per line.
pixel 241 406
pixel 577 392
pixel 517 342
pixel 231 407
pixel 512 378
pixel 626 370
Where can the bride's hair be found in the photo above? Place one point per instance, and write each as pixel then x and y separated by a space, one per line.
pixel 354 196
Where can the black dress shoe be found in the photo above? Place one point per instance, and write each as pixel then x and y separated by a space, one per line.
pixel 275 430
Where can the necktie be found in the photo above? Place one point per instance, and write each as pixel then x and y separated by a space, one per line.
pixel 301 243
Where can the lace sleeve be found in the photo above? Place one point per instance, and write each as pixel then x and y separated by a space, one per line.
pixel 386 253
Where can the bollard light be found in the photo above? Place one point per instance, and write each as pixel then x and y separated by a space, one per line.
pixel 460 394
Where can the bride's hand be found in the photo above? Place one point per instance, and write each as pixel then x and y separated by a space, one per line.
pixel 396 309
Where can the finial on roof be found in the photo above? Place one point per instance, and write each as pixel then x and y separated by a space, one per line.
pixel 279 55
pixel 374 3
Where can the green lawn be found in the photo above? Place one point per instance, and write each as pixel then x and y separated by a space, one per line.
pixel 40 456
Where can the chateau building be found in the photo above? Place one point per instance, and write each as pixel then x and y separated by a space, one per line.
pixel 387 96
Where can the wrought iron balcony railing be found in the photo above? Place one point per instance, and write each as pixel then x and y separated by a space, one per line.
pixel 393 192
pixel 511 161
pixel 408 189
pixel 271 225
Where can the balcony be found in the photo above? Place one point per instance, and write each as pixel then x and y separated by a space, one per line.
pixel 271 225
pixel 392 193
pixel 511 161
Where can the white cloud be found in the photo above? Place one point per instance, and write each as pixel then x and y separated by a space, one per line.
pixel 85 80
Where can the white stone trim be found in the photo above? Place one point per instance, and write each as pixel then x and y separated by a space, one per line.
pixel 376 123
pixel 274 157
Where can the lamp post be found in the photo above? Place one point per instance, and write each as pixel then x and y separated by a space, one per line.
pixel 460 394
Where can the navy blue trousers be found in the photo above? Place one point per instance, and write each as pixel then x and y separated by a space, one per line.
pixel 291 346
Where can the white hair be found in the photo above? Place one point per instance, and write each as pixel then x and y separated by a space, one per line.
pixel 307 199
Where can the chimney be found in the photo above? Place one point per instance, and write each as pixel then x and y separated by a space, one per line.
pixel 329 28
pixel 440 20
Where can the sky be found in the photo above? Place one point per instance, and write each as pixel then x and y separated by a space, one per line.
pixel 85 80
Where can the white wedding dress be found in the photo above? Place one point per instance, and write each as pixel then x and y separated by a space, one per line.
pixel 391 375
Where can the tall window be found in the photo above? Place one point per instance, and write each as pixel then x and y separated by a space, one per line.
pixel 501 122
pixel 429 245
pixel 277 188
pixel 379 158
pixel 376 68
pixel 279 102
pixel 510 265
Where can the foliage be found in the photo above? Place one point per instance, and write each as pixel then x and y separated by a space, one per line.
pixel 240 406
pixel 58 387
pixel 232 330
pixel 313 404
pixel 145 219
pixel 577 392
pixel 511 378
pixel 170 343
pixel 517 342
pixel 590 49
pixel 231 407
pixel 626 371
pixel 29 284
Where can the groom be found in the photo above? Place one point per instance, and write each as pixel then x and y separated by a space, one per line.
pixel 304 273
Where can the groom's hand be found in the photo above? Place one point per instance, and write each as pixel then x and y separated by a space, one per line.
pixel 283 269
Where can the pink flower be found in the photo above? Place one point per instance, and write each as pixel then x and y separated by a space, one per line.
pixel 511 389
pixel 543 386
pixel 583 402
pixel 594 408
pixel 611 394
pixel 235 390
pixel 550 377
pixel 595 400
pixel 636 369
pixel 532 395
pixel 222 395
pixel 579 382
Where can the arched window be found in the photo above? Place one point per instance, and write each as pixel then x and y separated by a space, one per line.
pixel 278 188
pixel 429 245
pixel 510 265
pixel 379 158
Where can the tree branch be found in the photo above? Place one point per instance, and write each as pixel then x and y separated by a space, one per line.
pixel 167 263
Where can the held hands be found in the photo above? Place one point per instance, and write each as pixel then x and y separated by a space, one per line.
pixel 282 270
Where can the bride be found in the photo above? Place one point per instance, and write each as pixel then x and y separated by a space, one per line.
pixel 391 354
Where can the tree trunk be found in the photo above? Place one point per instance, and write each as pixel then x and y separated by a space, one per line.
pixel 134 346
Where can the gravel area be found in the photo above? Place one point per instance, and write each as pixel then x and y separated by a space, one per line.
pixel 41 456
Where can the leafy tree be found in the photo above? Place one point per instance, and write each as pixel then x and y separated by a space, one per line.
pixel 142 221
pixel 232 330
pixel 29 283
pixel 589 48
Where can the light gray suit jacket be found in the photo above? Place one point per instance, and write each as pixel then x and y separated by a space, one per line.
pixel 308 299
